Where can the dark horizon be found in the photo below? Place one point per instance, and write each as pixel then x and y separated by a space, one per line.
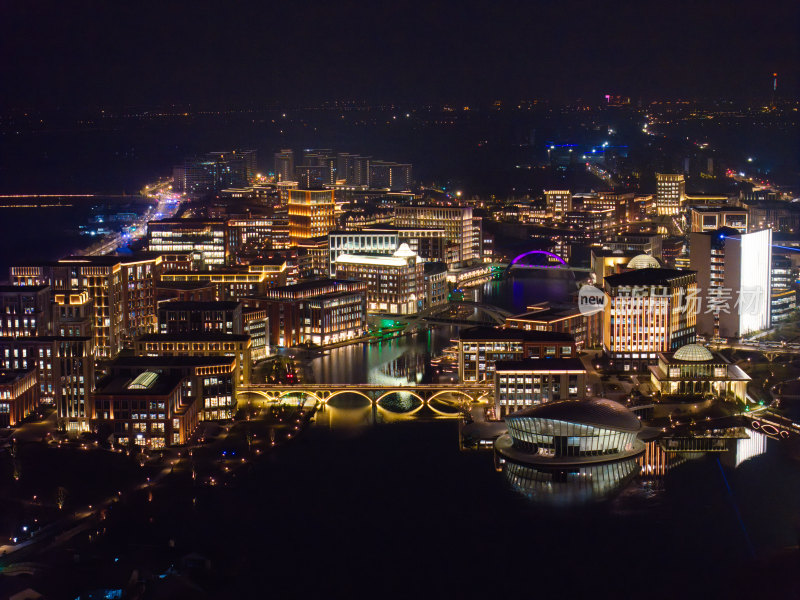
pixel 250 54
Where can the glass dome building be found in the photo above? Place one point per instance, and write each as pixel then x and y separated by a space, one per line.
pixel 571 432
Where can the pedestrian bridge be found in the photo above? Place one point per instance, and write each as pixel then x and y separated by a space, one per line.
pixel 460 395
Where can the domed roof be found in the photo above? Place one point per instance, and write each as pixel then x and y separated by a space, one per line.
pixel 593 411
pixel 403 251
pixel 643 261
pixel 693 353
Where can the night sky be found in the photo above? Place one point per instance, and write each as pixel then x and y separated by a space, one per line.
pixel 76 53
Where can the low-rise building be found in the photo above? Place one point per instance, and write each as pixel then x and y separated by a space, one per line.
pixel 151 410
pixel 524 383
pixel 199 344
pixel 19 395
pixel 196 317
pixel 479 348
pixel 395 284
pixel 24 310
pixel 544 317
pixel 65 373
pixel 693 371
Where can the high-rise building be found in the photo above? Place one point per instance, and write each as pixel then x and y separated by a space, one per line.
pixel 216 171
pixel 284 165
pixel 558 202
pixel 647 311
pixel 353 169
pixel 670 193
pixel 734 275
pixel 312 177
pixel 312 213
pixel 392 176
pixel 456 221
pixel 395 284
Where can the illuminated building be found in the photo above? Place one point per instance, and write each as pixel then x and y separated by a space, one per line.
pixel 480 347
pixel 185 291
pixel 647 311
pixel 558 202
pixel 204 237
pixel 312 177
pixel 256 325
pixel 392 176
pixel 234 284
pixel 773 214
pixel 256 233
pixel 783 297
pixel 638 244
pixel 200 344
pixel 65 372
pixel 312 258
pixel 571 432
pixel 321 311
pixel 543 317
pixel 670 193
pixel 608 262
pixel 284 165
pixel 19 395
pixel 208 385
pixel 693 370
pixel 436 292
pixel 24 310
pixel 122 290
pixel 215 171
pixel 73 314
pixel 428 243
pixel 520 384
pixel 353 169
pixel 150 410
pixel 196 317
pixel 734 272
pixel 395 284
pixel 589 222
pixel 456 221
pixel 312 213
pixel 705 218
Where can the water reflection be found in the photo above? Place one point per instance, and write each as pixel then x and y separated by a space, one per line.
pixel 563 487
pixel 400 361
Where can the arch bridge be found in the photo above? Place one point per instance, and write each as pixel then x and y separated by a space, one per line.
pixel 464 395
pixel 553 261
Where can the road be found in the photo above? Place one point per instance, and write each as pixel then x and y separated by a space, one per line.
pixel 167 205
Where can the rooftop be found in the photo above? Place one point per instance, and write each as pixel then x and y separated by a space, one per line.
pixel 199 305
pixel 541 364
pixel 157 384
pixel 647 276
pixel 593 411
pixel 205 336
pixel 493 333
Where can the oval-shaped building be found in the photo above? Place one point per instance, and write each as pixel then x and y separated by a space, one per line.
pixel 571 432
